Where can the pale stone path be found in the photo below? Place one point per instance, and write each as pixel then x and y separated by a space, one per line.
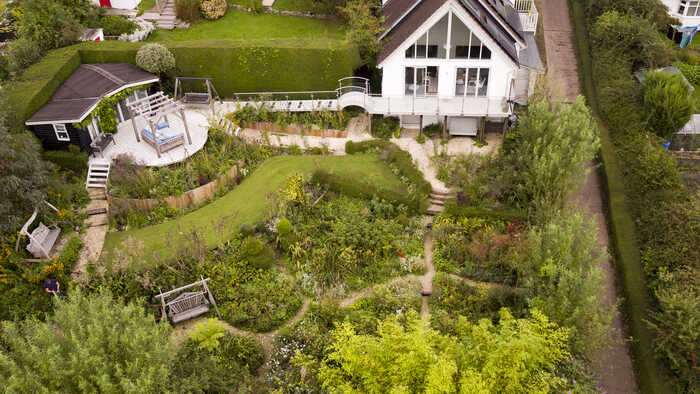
pixel 94 236
pixel 427 279
pixel 613 366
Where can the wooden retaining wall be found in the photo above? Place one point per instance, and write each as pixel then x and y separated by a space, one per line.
pixel 297 129
pixel 185 200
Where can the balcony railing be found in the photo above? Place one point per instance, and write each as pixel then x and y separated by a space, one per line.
pixel 528 14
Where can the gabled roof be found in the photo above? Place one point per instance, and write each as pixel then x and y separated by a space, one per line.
pixel 81 92
pixel 403 17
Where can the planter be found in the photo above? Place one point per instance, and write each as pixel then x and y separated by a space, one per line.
pixel 297 130
pixel 185 200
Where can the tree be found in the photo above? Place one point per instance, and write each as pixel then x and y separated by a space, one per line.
pixel 667 102
pixel 518 355
pixel 547 155
pixel 25 178
pixel 49 23
pixel 89 344
pixel 363 26
pixel 566 279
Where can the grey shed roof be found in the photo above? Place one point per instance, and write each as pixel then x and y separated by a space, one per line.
pixel 403 17
pixel 80 93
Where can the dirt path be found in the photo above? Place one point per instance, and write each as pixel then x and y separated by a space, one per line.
pixel 613 366
pixel 427 279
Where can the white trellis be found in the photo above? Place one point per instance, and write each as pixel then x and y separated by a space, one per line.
pixel 154 109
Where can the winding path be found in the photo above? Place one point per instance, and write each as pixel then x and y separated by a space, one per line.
pixel 613 366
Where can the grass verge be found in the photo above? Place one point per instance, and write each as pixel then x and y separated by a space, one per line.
pixel 649 371
pixel 247 203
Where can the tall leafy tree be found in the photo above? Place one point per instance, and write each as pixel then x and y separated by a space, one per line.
pixel 24 175
pixel 363 26
pixel 548 154
pixel 667 102
pixel 52 23
pixel 90 344
pixel 567 281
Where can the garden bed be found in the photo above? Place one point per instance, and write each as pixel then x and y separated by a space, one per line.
pixel 296 129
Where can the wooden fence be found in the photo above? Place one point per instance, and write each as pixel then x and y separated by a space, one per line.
pixel 297 129
pixel 185 200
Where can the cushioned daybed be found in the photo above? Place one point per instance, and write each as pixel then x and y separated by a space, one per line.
pixel 166 138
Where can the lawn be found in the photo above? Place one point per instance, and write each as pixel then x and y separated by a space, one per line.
pixel 240 25
pixel 146 5
pixel 247 203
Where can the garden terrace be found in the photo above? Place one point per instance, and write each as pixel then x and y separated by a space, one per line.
pixel 244 204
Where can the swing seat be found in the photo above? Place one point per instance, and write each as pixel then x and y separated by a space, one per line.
pixel 41 239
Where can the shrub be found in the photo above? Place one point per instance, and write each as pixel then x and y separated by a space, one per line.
pixel 252 247
pixel 187 10
pixel 246 229
pixel 155 58
pixel 433 129
pixel 115 25
pixel 214 9
pixel 207 333
pixel 72 160
pixel 4 67
pixel 51 23
pixel 284 227
pixel 667 102
pixel 23 53
pixel 384 126
pixel 352 147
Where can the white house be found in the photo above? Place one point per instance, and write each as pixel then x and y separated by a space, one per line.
pixel 461 62
pixel 122 4
pixel 687 11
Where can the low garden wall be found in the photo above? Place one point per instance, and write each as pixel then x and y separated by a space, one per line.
pixel 297 129
pixel 185 200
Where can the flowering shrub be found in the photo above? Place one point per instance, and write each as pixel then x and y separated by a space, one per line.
pixel 155 58
pixel 214 9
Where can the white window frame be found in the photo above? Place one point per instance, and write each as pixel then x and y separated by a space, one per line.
pixel 61 135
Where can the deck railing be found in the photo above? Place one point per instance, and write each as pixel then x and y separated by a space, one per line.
pixel 528 14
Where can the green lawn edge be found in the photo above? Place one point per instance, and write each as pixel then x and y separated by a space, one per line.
pixel 651 377
pixel 246 203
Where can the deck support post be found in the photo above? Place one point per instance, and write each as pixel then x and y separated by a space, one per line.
pixel 444 128
pixel 480 130
pixel 420 130
pixel 369 121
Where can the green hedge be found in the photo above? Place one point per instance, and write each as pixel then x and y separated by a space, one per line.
pixel 351 186
pixel 623 236
pixel 71 160
pixel 234 66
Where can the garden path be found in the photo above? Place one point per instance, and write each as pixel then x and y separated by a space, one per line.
pixel 427 279
pixel 613 366
pixel 94 237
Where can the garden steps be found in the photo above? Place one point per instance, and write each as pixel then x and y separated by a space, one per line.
pixel 96 206
pixel 98 172
pixel 437 201
pixel 97 220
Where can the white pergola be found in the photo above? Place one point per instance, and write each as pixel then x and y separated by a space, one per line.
pixel 154 109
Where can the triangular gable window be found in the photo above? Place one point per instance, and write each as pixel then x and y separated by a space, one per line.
pixel 434 43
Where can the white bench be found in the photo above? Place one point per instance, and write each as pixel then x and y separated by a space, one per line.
pixel 187 305
pixel 41 239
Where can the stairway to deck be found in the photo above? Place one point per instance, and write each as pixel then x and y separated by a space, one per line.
pixel 98 172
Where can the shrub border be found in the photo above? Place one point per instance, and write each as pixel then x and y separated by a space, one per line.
pixel 650 372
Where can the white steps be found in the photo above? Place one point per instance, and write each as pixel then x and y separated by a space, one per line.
pixel 98 172
pixel 437 201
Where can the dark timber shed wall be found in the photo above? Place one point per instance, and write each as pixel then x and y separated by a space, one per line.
pixel 47 135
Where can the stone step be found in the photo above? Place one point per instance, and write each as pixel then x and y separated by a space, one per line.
pixel 433 201
pixel 443 193
pixel 434 209
pixel 97 193
pixel 97 220
pixel 96 207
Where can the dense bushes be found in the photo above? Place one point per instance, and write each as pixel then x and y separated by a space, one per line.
pixel 320 119
pixel 306 65
pixel 72 160
pixel 213 9
pixel 668 103
pixel 114 25
pixel 155 58
pixel 22 54
pixel 658 202
pixel 187 10
pixel 385 127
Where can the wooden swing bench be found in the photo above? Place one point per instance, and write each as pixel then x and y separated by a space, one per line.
pixel 42 238
pixel 187 305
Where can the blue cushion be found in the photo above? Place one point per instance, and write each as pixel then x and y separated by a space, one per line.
pixel 161 140
pixel 162 125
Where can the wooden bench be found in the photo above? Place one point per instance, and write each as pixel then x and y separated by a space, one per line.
pixel 187 305
pixel 41 239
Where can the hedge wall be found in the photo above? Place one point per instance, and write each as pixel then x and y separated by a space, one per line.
pixel 234 66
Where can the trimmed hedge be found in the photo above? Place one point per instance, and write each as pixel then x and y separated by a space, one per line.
pixel 623 235
pixel 351 186
pixel 360 147
pixel 72 160
pixel 234 66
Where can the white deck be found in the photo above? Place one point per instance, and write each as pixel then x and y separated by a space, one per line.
pixel 143 153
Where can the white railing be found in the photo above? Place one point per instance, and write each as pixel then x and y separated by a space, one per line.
pixel 528 14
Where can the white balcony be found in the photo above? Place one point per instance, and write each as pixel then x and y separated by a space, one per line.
pixel 528 14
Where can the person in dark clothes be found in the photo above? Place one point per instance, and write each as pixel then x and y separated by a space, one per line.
pixel 52 287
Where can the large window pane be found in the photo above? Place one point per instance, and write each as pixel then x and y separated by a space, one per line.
pixel 461 81
pixel 472 81
pixel 421 46
pixel 483 82
pixel 437 38
pixel 411 52
pixel 410 72
pixel 459 47
pixel 475 47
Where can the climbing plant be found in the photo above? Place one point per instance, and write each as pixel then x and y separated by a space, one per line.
pixel 106 112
